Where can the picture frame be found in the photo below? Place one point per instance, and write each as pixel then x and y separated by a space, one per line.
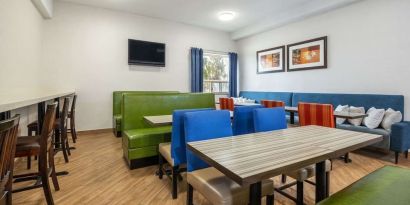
pixel 271 60
pixel 307 55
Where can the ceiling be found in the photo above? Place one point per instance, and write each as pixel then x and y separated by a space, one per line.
pixel 252 16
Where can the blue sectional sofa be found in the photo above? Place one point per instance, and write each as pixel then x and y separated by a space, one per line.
pixel 397 139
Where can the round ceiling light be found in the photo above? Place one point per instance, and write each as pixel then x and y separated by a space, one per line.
pixel 226 15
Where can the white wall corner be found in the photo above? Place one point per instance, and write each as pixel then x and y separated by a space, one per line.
pixel 45 7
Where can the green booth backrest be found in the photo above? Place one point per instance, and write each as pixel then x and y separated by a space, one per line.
pixel 135 107
pixel 117 98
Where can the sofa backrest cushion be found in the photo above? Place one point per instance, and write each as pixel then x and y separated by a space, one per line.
pixel 135 107
pixel 117 98
pixel 367 101
pixel 258 96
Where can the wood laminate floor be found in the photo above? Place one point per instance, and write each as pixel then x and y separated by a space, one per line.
pixel 99 175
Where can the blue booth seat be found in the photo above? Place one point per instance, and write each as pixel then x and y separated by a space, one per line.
pixel 243 119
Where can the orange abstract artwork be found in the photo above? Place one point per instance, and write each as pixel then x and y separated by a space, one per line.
pixel 271 60
pixel 306 55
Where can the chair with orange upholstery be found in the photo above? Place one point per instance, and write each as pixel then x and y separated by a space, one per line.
pixel 316 114
pixel 226 104
pixel 272 103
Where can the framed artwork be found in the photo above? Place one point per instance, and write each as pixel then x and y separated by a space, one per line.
pixel 306 55
pixel 271 60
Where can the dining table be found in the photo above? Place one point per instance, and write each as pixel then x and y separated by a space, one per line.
pixel 249 159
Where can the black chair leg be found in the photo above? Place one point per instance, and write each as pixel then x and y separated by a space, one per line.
pixel 46 189
pixel 270 199
pixel 29 162
pixel 406 153
pixel 160 166
pixel 299 192
pixel 327 184
pixel 175 173
pixel 283 178
pixel 396 157
pixel 190 195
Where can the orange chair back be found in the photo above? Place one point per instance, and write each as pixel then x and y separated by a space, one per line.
pixel 272 103
pixel 226 104
pixel 316 114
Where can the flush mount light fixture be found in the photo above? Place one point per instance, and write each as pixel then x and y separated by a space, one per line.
pixel 226 15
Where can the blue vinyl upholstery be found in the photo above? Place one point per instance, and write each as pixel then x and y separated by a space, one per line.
pixel 243 119
pixel 202 126
pixel 258 96
pixel 178 145
pixel 269 119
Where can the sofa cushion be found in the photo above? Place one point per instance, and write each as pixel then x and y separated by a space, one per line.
pixel 384 144
pixel 390 117
pixel 356 122
pixel 374 118
pixel 341 108
pixel 146 136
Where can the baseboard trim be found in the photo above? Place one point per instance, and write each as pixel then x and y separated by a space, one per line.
pixel 97 131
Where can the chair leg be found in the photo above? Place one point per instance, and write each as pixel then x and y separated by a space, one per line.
pixel 299 191
pixel 64 149
pixel 406 153
pixel 283 178
pixel 46 188
pixel 175 173
pixel 190 195
pixel 53 173
pixel 270 199
pixel 160 166
pixel 327 184
pixel 396 156
pixel 68 147
pixel 28 162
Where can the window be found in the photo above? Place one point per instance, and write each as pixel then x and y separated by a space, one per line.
pixel 216 73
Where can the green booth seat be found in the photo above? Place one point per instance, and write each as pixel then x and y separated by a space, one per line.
pixel 387 185
pixel 140 140
pixel 117 102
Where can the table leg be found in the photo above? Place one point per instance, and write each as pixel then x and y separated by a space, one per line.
pixel 255 194
pixel 40 116
pixel 320 181
pixel 292 118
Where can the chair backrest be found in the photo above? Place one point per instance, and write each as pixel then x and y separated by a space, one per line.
pixel 316 114
pixel 73 103
pixel 272 103
pixel 202 126
pixel 64 117
pixel 178 145
pixel 243 119
pixel 46 154
pixel 8 139
pixel 269 119
pixel 226 104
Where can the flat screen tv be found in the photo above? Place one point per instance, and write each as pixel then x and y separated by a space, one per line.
pixel 146 53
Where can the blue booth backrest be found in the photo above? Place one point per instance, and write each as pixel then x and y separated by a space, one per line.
pixel 367 101
pixel 258 96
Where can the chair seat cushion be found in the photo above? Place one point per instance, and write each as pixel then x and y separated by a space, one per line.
pixel 307 172
pixel 221 190
pixel 27 144
pixel 165 151
pixel 146 136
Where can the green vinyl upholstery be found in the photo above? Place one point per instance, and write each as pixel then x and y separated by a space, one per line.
pixel 140 140
pixel 117 102
pixel 388 185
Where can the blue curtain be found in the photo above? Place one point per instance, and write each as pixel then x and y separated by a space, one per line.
pixel 197 69
pixel 233 74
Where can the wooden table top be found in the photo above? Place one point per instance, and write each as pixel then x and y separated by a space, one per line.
pixel 346 115
pixel 162 120
pixel 250 158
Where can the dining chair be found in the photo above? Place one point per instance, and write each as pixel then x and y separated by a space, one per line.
pixel 263 122
pixel 61 125
pixel 226 104
pixel 243 119
pixel 8 139
pixel 43 147
pixel 212 184
pixel 272 103
pixel 175 152
pixel 316 114
pixel 71 116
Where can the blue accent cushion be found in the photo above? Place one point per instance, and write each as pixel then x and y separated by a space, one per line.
pixel 258 96
pixel 202 126
pixel 243 119
pixel 178 145
pixel 269 119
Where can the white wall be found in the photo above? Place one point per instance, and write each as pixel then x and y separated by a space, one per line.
pixel 85 48
pixel 21 34
pixel 368 52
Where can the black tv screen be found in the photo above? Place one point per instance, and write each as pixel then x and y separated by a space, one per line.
pixel 146 53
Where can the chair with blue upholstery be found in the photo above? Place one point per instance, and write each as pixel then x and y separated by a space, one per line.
pixel 174 152
pixel 212 184
pixel 243 119
pixel 270 119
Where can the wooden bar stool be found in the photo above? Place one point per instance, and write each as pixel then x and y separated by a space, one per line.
pixel 43 147
pixel 8 139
